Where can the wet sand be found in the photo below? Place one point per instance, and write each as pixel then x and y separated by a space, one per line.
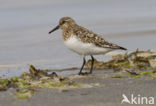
pixel 107 92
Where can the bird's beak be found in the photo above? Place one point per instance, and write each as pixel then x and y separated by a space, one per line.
pixel 57 27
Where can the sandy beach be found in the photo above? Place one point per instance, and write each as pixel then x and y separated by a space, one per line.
pixel 107 92
pixel 24 40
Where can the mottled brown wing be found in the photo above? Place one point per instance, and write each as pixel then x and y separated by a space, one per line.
pixel 87 36
pixel 99 41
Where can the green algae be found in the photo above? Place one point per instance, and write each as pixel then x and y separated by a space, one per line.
pixel 148 74
pixel 3 84
pixel 145 75
pixel 132 65
pixel 138 60
pixel 135 76
pixel 120 74
pixel 129 62
pixel 24 93
pixel 26 84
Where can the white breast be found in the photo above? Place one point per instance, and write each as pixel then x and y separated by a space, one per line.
pixel 81 48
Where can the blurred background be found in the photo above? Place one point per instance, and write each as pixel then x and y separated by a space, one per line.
pixel 24 27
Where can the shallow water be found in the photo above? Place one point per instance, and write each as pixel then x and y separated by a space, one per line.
pixel 24 37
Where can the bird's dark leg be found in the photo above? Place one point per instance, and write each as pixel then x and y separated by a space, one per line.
pixel 92 64
pixel 84 61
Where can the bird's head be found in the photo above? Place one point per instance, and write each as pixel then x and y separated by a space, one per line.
pixel 64 23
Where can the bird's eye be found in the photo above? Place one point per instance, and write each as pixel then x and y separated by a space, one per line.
pixel 63 22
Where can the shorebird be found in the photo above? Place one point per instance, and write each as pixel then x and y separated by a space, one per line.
pixel 83 41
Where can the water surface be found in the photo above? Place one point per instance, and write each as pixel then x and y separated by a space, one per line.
pixel 24 37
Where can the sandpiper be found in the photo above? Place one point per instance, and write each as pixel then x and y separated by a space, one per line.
pixel 83 41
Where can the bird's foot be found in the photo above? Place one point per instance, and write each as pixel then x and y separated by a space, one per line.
pixel 84 73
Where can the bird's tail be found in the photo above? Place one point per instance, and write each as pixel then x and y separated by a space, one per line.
pixel 122 48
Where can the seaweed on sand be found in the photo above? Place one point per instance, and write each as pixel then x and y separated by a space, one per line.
pixel 26 84
pixel 138 60
pixel 134 65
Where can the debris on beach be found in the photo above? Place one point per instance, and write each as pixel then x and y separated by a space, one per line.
pixel 135 65
pixel 138 60
pixel 26 84
pixel 138 64
pixel 144 75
